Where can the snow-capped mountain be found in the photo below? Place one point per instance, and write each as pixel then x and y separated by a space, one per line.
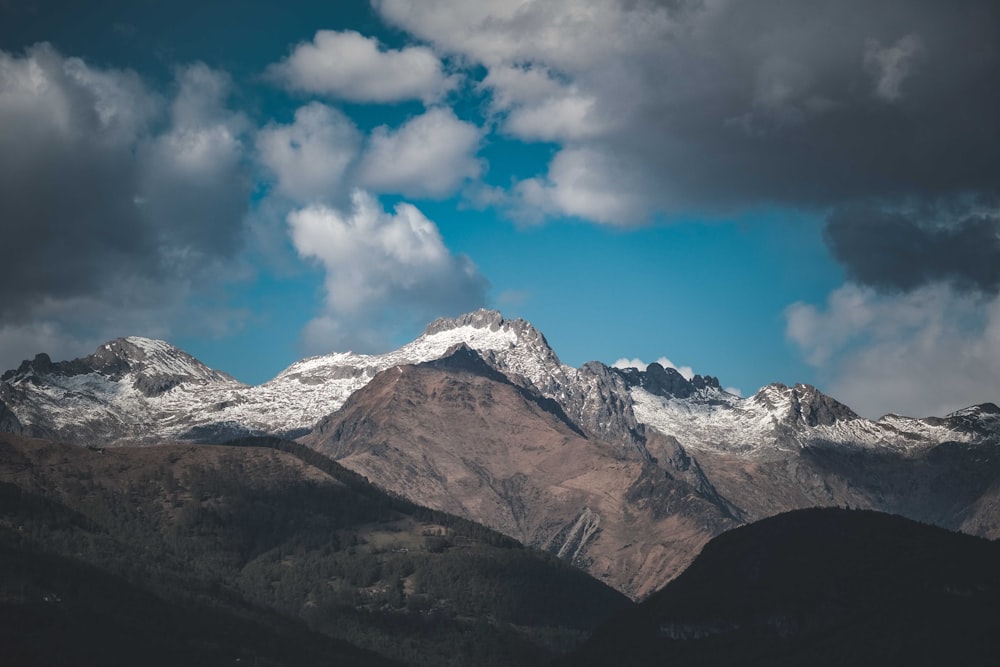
pixel 312 388
pixel 130 389
pixel 141 390
pixel 779 417
pixel 626 472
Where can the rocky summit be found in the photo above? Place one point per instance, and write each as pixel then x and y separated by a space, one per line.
pixel 625 472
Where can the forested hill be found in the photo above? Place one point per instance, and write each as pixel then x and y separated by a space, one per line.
pixel 263 529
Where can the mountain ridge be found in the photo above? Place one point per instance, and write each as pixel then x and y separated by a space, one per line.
pixel 168 380
pixel 479 417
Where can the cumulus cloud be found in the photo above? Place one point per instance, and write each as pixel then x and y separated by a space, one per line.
pixel 383 270
pixel 431 155
pixel 926 352
pixel 535 106
pixel 350 66
pixel 312 156
pixel 584 183
pixel 705 106
pixel 110 193
pixel 322 156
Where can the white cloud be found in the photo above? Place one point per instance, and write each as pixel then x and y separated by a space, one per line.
pixel 350 66
pixel 321 156
pixel 928 352
pixel 536 106
pixel 380 264
pixel 558 71
pixel 312 156
pixel 587 183
pixel 429 156
pixel 45 96
pixel 686 371
pixel 820 335
pixel 557 118
pixel 891 65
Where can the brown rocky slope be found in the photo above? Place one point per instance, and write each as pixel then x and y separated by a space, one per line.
pixel 456 435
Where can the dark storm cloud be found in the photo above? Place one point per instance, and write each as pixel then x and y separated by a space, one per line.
pixel 889 250
pixel 815 103
pixel 104 186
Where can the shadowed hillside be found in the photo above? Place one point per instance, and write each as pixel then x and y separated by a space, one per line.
pixel 267 529
pixel 56 611
pixel 818 587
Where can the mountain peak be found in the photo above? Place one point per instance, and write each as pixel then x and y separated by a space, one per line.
pixel 156 366
pixel 479 319
pixel 488 320
pixel 509 345
pixel 976 419
pixel 976 410
pixel 804 403
pixel 133 350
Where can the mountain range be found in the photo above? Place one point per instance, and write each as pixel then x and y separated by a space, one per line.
pixel 626 473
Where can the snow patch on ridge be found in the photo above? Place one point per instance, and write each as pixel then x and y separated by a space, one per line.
pixel 193 396
pixel 765 422
pixel 140 389
pixel 720 421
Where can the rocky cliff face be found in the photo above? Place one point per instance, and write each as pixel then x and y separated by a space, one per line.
pixel 9 423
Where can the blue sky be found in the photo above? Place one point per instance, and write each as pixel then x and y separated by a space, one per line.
pixel 774 191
